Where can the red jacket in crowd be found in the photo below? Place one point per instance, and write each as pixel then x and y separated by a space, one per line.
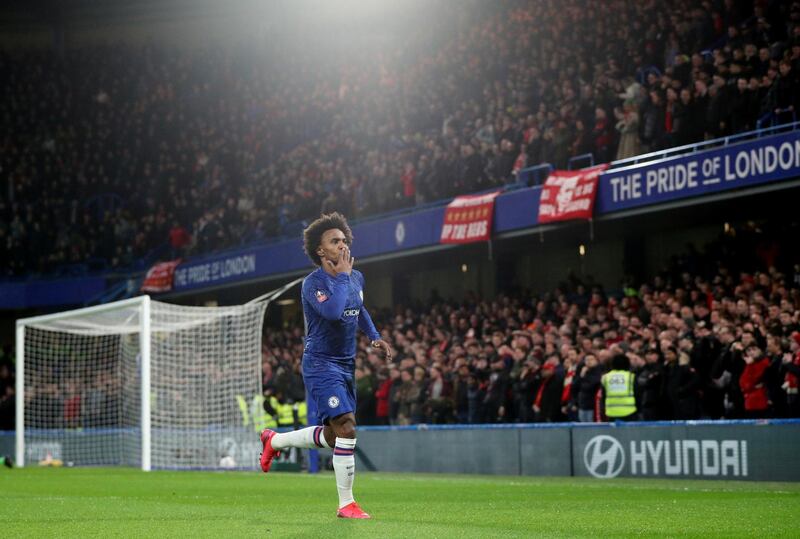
pixel 752 384
pixel 179 237
pixel 566 393
pixel 382 396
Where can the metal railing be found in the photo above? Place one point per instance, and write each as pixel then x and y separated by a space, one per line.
pixel 586 157
pixel 704 145
pixel 530 176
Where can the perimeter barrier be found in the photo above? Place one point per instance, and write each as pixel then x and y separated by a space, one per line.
pixel 756 450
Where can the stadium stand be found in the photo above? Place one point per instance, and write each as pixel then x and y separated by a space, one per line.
pixel 116 156
pixel 689 333
pixel 173 153
pixel 523 358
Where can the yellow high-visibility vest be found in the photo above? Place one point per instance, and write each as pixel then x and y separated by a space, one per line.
pixel 255 415
pixel 243 409
pixel 261 419
pixel 620 400
pixel 285 413
pixel 302 412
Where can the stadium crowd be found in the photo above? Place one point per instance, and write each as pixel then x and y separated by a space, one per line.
pixel 705 339
pixel 118 154
pixel 709 337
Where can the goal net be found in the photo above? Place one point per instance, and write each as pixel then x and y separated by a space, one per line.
pixel 139 383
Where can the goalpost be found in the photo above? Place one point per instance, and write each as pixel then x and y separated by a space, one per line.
pixel 138 383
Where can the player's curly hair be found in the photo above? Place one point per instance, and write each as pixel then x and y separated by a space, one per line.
pixel 312 235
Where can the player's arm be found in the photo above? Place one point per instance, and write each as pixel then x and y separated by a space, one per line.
pixel 328 302
pixel 368 327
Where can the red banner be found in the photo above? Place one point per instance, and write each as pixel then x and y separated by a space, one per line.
pixel 569 194
pixel 159 277
pixel 469 218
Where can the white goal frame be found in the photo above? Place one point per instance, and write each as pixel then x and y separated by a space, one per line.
pixel 143 303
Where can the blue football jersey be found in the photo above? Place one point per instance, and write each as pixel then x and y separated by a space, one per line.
pixel 333 308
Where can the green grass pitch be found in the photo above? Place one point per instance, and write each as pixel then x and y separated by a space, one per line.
pixel 116 502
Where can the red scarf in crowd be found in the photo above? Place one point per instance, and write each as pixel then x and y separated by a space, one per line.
pixel 566 393
pixel 538 401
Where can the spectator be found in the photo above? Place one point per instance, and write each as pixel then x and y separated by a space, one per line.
pixel 619 390
pixel 439 406
pixel 791 376
pixel 753 383
pixel 687 128
pixel 547 405
pixel 525 390
pixel 179 240
pixel 785 96
pixel 474 174
pixel 688 389
pixel 586 386
pixel 628 127
pixel 741 112
pixel 366 408
pixel 603 136
pixel 650 383
pixel 476 391
pixel 408 181
pixel 383 395
pixel 652 125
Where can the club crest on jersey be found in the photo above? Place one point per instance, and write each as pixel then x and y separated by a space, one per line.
pixel 333 402
pixel 321 296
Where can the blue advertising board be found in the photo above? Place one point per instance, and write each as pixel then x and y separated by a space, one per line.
pixel 240 266
pixel 75 291
pixel 371 239
pixel 746 164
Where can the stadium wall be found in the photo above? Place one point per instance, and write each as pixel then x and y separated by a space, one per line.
pixel 754 450
pixel 732 450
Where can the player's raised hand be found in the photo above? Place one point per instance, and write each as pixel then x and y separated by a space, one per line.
pixel 344 264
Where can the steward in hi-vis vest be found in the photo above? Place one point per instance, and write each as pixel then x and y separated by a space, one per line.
pixel 618 386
